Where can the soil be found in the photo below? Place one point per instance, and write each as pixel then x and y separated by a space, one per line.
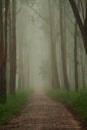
pixel 43 113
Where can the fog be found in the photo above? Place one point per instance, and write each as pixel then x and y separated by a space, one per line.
pixel 43 56
pixel 33 43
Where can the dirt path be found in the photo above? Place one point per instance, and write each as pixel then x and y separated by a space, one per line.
pixel 42 113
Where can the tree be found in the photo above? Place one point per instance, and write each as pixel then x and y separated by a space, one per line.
pixel 3 50
pixel 55 75
pixel 12 50
pixel 76 58
pixel 82 24
pixel 82 68
pixel 63 45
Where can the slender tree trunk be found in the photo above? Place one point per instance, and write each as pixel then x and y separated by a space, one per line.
pixel 55 76
pixel 76 59
pixel 63 48
pixel 3 53
pixel 12 88
pixel 82 67
pixel 20 85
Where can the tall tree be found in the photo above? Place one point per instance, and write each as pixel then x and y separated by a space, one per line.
pixel 12 50
pixel 76 58
pixel 63 45
pixel 82 68
pixel 3 50
pixel 55 75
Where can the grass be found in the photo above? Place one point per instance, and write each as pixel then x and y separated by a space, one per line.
pixel 77 101
pixel 14 105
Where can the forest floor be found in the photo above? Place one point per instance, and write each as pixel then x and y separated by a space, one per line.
pixel 43 113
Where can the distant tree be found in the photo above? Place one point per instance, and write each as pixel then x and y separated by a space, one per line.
pixel 44 72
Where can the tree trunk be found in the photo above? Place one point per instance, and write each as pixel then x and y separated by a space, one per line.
pixel 76 59
pixel 3 53
pixel 12 87
pixel 63 48
pixel 55 76
pixel 83 71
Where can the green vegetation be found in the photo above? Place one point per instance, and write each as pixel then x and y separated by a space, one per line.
pixel 77 101
pixel 14 105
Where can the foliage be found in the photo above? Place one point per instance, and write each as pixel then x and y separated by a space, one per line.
pixel 77 101
pixel 14 105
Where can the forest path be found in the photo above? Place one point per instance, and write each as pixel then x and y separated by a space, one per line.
pixel 43 113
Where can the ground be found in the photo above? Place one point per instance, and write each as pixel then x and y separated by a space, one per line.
pixel 43 113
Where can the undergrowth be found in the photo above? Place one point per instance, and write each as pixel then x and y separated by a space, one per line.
pixel 76 100
pixel 14 105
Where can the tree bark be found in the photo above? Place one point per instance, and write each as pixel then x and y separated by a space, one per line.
pixel 3 52
pixel 83 70
pixel 12 87
pixel 76 59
